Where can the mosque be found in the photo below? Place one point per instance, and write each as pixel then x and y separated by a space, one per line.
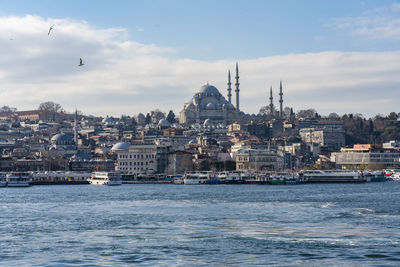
pixel 208 104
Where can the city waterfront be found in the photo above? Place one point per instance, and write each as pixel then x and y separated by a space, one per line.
pixel 172 225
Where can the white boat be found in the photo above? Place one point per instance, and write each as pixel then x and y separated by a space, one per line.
pixel 177 179
pixel 231 177
pixel 320 176
pixel 395 176
pixel 191 178
pixel 18 179
pixel 3 180
pixel 105 178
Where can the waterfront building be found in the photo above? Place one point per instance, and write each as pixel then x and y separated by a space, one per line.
pixel 163 148
pixel 332 139
pixel 364 155
pixel 136 158
pixel 253 160
pixel 179 162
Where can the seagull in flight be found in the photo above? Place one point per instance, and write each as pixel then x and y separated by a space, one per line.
pixel 80 62
pixel 50 29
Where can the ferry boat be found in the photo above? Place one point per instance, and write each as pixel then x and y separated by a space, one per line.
pixel 105 178
pixel 3 180
pixel 231 177
pixel 18 179
pixel 320 176
pixel 191 178
pixel 60 177
pixel 176 179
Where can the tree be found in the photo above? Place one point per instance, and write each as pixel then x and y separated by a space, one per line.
pixel 392 116
pixel 50 109
pixel 205 165
pixel 171 117
pixel 148 118
pixel 230 165
pixel 134 122
pixel 334 116
pixel 287 111
pixel 7 109
pixel 157 115
pixel 306 113
pixel 265 110
pixel 50 106
pixel 53 160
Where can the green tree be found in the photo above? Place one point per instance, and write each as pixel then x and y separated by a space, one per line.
pixel 230 165
pixel 148 118
pixel 171 117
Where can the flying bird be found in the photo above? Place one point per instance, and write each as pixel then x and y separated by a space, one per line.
pixel 50 29
pixel 80 62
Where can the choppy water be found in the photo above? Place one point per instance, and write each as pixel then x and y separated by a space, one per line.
pixel 204 225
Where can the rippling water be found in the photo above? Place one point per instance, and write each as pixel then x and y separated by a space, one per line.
pixel 204 225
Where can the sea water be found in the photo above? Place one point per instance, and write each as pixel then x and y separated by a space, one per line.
pixel 201 225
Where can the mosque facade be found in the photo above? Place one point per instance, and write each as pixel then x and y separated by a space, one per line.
pixel 208 104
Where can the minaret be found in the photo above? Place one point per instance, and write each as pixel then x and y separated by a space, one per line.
pixel 76 127
pixel 280 101
pixel 237 87
pixel 229 87
pixel 271 102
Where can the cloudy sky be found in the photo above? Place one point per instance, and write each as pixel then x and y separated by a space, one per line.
pixel 334 56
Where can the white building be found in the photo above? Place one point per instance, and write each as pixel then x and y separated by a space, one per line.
pixel 134 159
pixel 258 159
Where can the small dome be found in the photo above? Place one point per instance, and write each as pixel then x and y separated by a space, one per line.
pixel 210 106
pixel 218 106
pixel 230 106
pixel 164 123
pixel 208 123
pixel 61 138
pixel 120 146
pixel 208 89
pixel 141 116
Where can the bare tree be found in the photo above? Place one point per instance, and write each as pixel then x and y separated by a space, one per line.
pixel 7 109
pixel 50 109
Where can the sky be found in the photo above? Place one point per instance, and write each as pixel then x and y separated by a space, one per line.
pixel 333 56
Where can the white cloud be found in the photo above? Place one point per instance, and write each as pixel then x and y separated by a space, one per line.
pixel 378 24
pixel 121 76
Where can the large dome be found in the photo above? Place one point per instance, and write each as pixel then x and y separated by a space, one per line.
pixel 62 139
pixel 120 146
pixel 207 89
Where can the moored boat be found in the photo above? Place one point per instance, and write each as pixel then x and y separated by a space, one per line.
pixel 3 180
pixel 191 178
pixel 105 178
pixel 18 179
pixel 321 176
